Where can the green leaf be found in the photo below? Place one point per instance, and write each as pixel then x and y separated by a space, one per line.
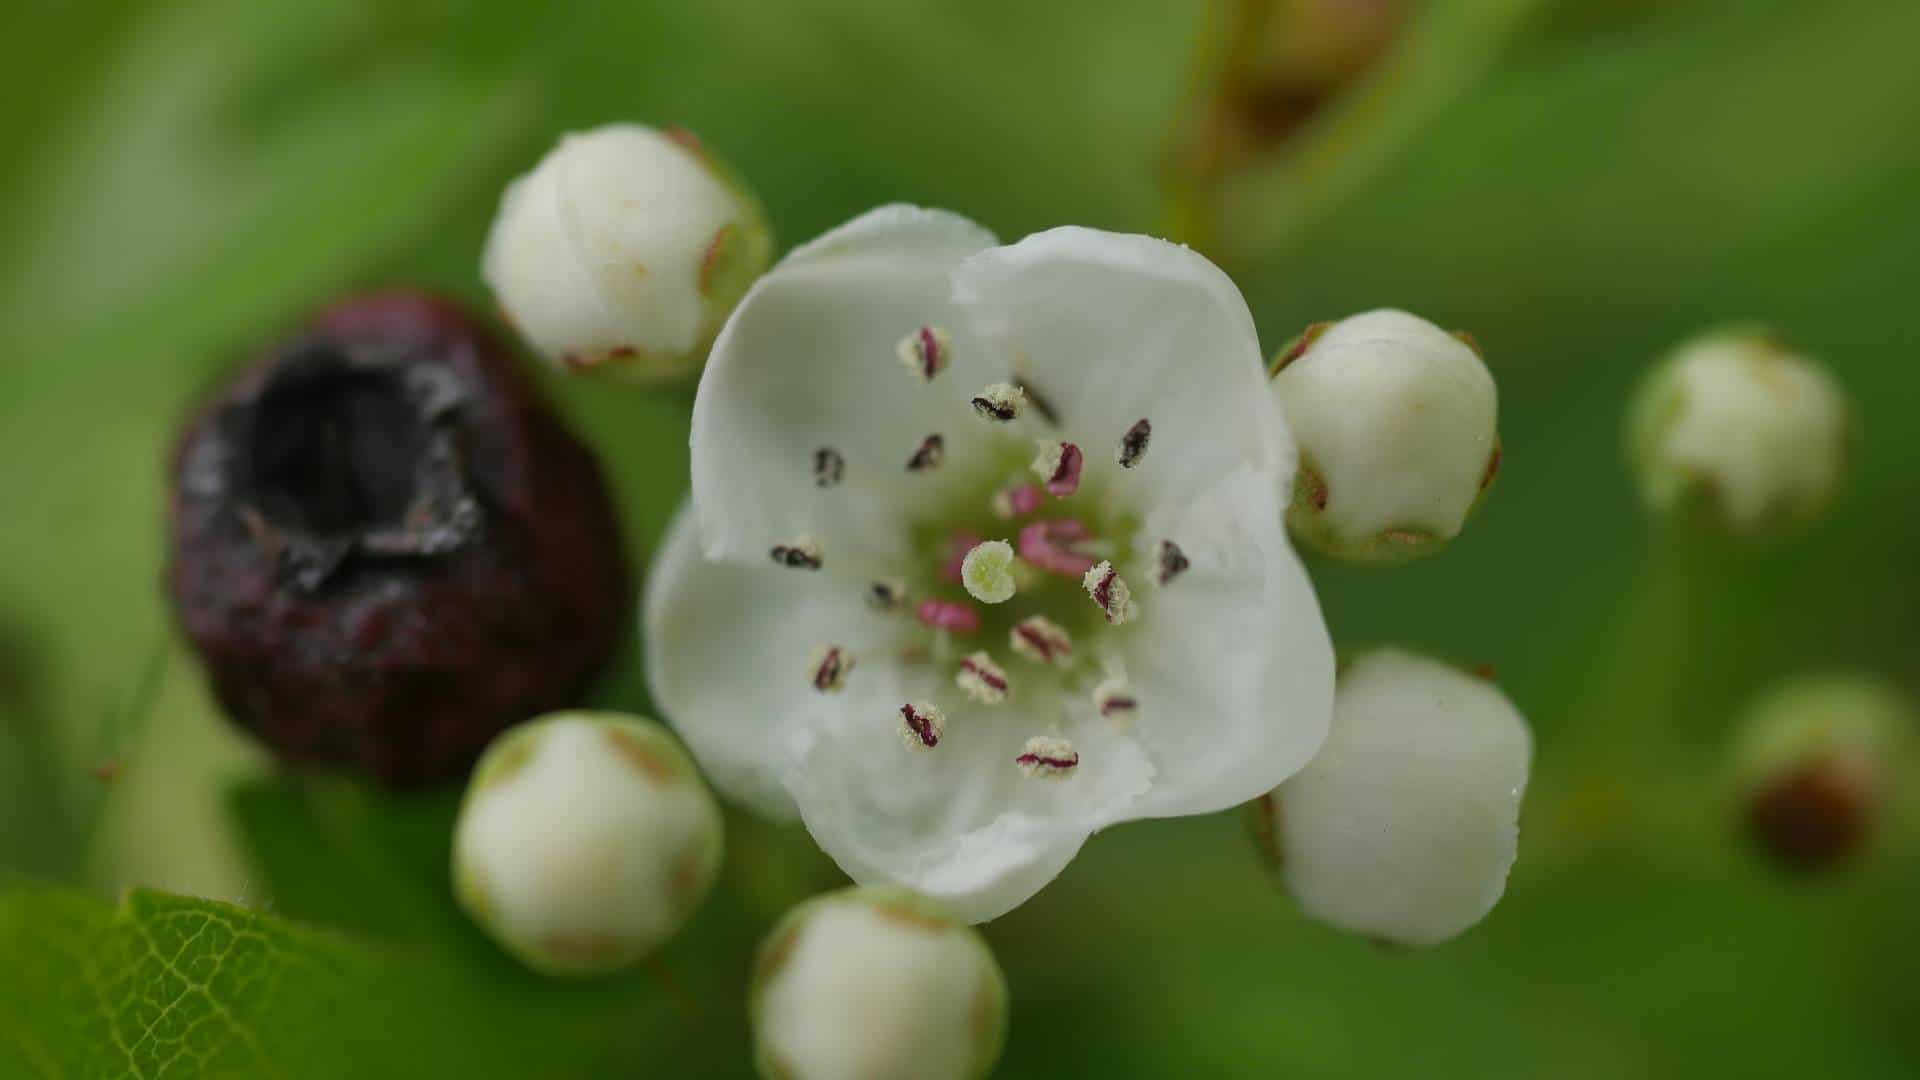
pixel 165 986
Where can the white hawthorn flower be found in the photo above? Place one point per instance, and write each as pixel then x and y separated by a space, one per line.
pixel 1404 825
pixel 911 773
pixel 584 841
pixel 624 250
pixel 873 983
pixel 1396 423
pixel 1753 432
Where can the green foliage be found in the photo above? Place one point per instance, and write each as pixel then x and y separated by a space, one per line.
pixel 1580 186
pixel 166 986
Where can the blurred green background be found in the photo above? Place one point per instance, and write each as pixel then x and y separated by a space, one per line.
pixel 1580 183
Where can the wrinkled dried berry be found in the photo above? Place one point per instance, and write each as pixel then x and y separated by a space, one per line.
pixel 386 549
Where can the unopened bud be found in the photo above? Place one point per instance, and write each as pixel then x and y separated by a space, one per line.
pixel 1395 419
pixel 876 982
pixel 585 840
pixel 1739 427
pixel 1814 759
pixel 624 250
pixel 1404 825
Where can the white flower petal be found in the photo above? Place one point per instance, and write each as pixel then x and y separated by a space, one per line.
pixel 808 361
pixel 726 652
pixel 961 822
pixel 1406 823
pixel 1232 664
pixel 1111 328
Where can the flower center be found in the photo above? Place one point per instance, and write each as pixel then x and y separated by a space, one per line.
pixel 1029 553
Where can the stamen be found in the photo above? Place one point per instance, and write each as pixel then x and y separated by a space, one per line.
pixel 987 572
pixel 1059 467
pixel 1042 641
pixel 1110 591
pixel 828 467
pixel 800 553
pixel 1041 403
pixel 1133 445
pixel 932 451
pixel 1048 757
pixel 830 666
pixel 926 352
pixel 1000 401
pixel 922 724
pixel 1173 562
pixel 947 615
pixel 959 546
pixel 1115 700
pixel 1047 545
pixel 1016 502
pixel 983 680
pixel 888 595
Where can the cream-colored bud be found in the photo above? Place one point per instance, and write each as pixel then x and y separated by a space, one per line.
pixel 585 840
pixel 1404 825
pixel 1395 419
pixel 624 250
pixel 876 982
pixel 1736 424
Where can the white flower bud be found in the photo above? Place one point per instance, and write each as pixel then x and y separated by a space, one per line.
pixel 1395 420
pixel 1742 427
pixel 625 249
pixel 1404 825
pixel 876 982
pixel 585 840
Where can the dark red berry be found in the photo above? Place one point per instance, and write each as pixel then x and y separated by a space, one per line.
pixel 386 548
pixel 1815 814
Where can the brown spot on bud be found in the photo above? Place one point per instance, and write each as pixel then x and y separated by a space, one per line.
pixel 720 249
pixel 1816 814
pixel 1308 486
pixel 1263 824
